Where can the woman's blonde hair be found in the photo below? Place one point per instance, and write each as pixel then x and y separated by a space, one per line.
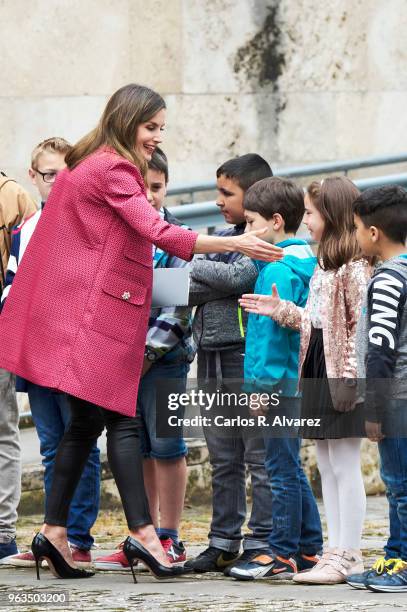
pixel 127 108
pixel 333 198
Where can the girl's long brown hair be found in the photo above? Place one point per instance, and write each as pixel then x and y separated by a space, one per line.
pixel 333 198
pixel 127 108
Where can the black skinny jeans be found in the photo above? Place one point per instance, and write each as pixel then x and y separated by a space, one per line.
pixel 123 452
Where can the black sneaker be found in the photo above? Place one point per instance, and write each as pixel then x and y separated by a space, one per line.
pixel 306 562
pixel 245 557
pixel 267 567
pixel 211 560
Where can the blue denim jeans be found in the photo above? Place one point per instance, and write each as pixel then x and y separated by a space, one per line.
pixel 393 470
pixel 51 415
pixel 152 446
pixel 296 521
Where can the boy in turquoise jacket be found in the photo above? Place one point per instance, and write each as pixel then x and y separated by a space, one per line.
pixel 271 366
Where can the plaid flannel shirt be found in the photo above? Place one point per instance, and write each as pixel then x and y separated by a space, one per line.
pixel 170 329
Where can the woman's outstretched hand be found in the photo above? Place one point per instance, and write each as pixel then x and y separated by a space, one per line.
pixel 251 245
pixel 261 304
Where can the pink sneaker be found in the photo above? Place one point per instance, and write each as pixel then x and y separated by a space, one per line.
pixel 176 553
pixel 82 558
pixel 114 561
pixel 22 560
pixel 117 561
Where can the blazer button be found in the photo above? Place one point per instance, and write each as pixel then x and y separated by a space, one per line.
pixel 126 295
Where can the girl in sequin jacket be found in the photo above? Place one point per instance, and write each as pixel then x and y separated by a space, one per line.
pixel 327 367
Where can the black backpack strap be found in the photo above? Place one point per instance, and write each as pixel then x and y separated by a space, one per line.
pixel 4 229
pixel 3 276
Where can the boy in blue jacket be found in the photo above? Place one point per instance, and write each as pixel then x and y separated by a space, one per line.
pixel 271 366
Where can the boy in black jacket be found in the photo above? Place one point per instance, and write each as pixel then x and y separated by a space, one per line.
pixel 381 231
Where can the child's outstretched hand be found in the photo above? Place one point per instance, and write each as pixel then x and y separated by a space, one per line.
pixel 261 304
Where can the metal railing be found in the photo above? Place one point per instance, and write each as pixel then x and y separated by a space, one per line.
pixel 206 214
pixel 344 166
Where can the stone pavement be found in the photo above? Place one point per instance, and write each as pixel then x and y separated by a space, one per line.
pixel 115 591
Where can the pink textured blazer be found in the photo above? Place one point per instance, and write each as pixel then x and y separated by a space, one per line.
pixel 76 316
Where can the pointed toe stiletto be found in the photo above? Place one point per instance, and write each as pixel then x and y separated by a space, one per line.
pixel 43 549
pixel 134 551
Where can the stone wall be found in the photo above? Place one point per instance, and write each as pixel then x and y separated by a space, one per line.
pixel 199 490
pixel 295 80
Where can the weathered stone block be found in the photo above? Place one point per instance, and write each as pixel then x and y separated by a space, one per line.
pixel 204 131
pixel 304 119
pixel 30 120
pixel 386 45
pixel 64 48
pixel 370 124
pixel 294 81
pixel 324 45
pixel 213 31
pixel 156 50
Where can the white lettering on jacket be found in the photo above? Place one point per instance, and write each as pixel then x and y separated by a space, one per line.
pixel 383 314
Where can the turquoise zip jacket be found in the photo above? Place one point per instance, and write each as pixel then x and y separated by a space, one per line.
pixel 272 351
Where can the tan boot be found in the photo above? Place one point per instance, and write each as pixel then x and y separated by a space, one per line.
pixel 333 568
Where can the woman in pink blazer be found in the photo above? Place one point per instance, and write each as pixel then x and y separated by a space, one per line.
pixel 76 316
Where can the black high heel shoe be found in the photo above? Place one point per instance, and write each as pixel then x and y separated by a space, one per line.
pixel 42 548
pixel 134 551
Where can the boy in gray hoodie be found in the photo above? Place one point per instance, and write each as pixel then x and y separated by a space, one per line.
pixel 381 230
pixel 217 281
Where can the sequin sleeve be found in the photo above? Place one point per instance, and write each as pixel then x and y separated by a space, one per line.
pixel 289 315
pixel 355 279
